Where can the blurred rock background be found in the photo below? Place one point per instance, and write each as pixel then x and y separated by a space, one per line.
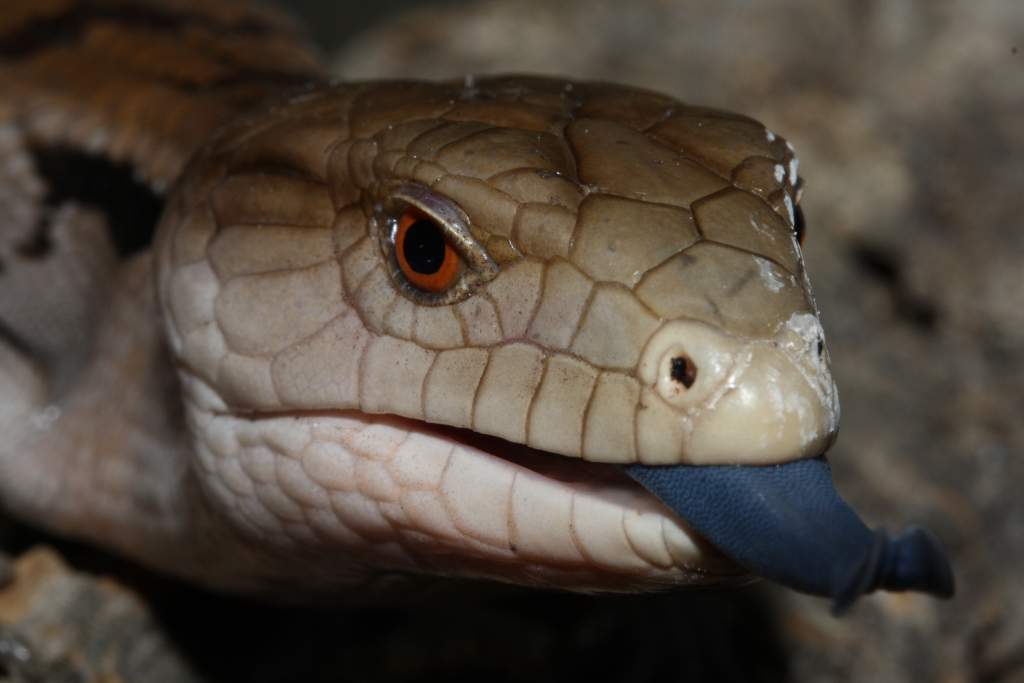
pixel 908 117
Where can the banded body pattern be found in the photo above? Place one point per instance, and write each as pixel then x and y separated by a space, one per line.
pixel 102 102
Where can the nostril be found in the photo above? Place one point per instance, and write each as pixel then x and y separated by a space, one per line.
pixel 821 347
pixel 686 362
pixel 684 371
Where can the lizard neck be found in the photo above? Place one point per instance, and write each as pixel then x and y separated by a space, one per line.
pixel 114 428
pixel 94 443
pixel 105 456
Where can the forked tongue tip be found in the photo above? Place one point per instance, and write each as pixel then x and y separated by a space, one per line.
pixel 913 561
pixel 787 523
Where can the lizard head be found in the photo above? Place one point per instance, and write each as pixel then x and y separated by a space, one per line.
pixel 418 325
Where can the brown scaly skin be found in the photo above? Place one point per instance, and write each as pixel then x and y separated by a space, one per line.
pixel 613 231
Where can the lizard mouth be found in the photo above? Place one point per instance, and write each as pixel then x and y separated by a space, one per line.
pixel 415 496
pixel 408 495
pixel 785 522
pixel 565 521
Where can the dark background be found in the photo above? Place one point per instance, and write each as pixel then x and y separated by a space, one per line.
pixel 332 24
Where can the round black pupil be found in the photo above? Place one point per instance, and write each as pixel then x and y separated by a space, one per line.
pixel 423 247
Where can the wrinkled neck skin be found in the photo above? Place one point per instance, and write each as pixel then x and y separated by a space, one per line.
pixel 94 443
pixel 99 451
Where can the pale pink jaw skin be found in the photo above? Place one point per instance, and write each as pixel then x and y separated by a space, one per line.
pixel 350 489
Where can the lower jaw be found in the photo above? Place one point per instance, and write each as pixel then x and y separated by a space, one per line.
pixel 605 490
pixel 489 509
pixel 342 491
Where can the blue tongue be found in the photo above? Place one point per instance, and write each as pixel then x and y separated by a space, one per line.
pixel 787 523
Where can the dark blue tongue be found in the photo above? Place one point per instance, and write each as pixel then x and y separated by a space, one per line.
pixel 787 523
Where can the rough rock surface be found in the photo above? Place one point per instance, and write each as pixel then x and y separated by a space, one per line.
pixel 57 625
pixel 906 117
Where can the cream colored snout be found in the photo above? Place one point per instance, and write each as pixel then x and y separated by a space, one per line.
pixel 721 399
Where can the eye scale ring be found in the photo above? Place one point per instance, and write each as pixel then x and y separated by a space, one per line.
pixel 424 256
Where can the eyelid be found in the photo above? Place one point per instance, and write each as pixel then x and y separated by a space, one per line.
pixel 452 220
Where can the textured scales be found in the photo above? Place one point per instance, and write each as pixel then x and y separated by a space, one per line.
pixel 339 431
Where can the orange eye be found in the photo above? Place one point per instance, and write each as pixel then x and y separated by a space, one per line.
pixel 426 259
